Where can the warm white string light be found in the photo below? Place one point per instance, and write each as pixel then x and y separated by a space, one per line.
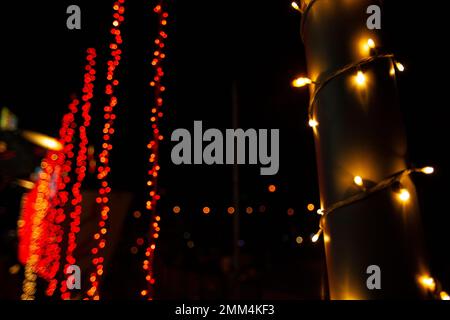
pixel 403 194
pixel 360 80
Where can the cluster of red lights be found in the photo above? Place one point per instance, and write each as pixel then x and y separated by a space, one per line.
pixel 62 167
pixel 153 146
pixel 40 230
pixel 32 228
pixel 104 157
pixel 81 163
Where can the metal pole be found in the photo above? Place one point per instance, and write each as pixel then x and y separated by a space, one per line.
pixel 360 133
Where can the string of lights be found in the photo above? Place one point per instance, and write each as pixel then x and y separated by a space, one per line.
pixel 393 181
pixel 231 210
pixel 40 206
pixel 153 145
pixel 104 168
pixel 56 215
pixel 40 230
pixel 81 163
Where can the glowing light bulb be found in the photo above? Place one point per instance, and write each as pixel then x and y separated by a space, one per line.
pixel 428 170
pixel 392 71
pixel 313 123
pixel 404 195
pixel 400 67
pixel 301 82
pixel 295 6
pixel 360 79
pixel 427 282
pixel 444 295
pixel 310 207
pixel 358 181
pixel 371 44
pixel 316 237
pixel 320 212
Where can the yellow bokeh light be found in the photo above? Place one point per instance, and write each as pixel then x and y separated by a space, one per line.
pixel 313 123
pixel 400 67
pixel 404 195
pixel 427 282
pixel 428 170
pixel 358 181
pixel 444 296
pixel 301 82
pixel 360 79
pixel 42 140
pixel 315 237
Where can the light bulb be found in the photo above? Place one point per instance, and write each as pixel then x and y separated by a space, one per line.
pixel 404 195
pixel 360 79
pixel 301 82
pixel 295 6
pixel 427 282
pixel 392 71
pixel 313 123
pixel 316 237
pixel 371 44
pixel 358 181
pixel 444 295
pixel 400 67
pixel 428 170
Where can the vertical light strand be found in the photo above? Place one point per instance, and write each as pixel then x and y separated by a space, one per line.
pixel 153 145
pixel 40 207
pixel 81 165
pixel 104 157
pixel 40 230
pixel 51 259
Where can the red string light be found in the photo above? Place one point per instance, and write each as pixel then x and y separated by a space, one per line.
pixel 81 164
pixel 36 207
pixel 104 157
pixel 153 146
pixel 40 230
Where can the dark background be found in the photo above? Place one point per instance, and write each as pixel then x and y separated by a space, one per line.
pixel 212 44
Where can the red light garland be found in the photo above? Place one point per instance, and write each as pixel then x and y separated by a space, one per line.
pixel 37 204
pixel 153 146
pixel 81 163
pixel 104 168
pixel 40 230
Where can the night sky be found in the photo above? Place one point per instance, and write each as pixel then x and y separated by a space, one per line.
pixel 211 45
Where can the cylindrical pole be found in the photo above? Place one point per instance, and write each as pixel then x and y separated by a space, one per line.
pixel 360 133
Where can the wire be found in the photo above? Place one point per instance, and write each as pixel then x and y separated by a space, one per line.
pixel 352 66
pixel 384 184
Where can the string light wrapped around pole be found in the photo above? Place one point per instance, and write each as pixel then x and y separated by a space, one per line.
pixel 361 155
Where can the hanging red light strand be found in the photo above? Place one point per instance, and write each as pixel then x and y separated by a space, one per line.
pixel 153 146
pixel 40 230
pixel 104 157
pixel 81 165
pixel 56 215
